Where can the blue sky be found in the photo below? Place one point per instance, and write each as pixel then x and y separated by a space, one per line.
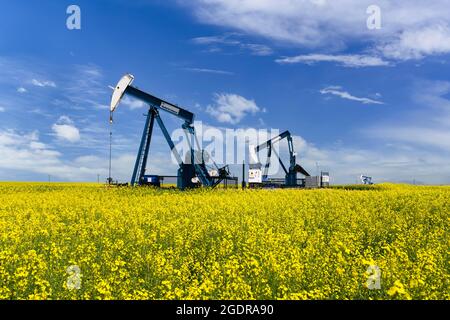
pixel 358 101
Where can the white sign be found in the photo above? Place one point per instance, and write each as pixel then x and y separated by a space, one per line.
pixel 170 108
pixel 254 176
pixel 213 173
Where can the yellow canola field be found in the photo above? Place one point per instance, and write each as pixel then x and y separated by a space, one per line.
pixel 86 241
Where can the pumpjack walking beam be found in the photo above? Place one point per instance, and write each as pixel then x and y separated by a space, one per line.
pixel 294 168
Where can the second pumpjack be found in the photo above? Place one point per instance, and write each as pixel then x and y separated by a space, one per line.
pixel 290 173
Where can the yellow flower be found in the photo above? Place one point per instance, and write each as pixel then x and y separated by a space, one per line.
pixel 145 243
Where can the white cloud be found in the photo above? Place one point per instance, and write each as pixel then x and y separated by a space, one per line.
pixel 2 109
pixel 293 21
pixel 22 152
pixel 212 71
pixel 132 103
pixel 26 154
pixel 337 91
pixel 230 39
pixel 223 39
pixel 231 108
pixel 432 95
pixel 66 130
pixel 410 28
pixel 418 43
pixel 258 49
pixel 100 106
pixel 84 88
pixel 416 135
pixel 427 126
pixel 43 83
pixel 353 61
pixel 90 70
pixel 80 85
pixel 393 162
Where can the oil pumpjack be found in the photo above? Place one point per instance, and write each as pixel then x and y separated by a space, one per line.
pixel 193 171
